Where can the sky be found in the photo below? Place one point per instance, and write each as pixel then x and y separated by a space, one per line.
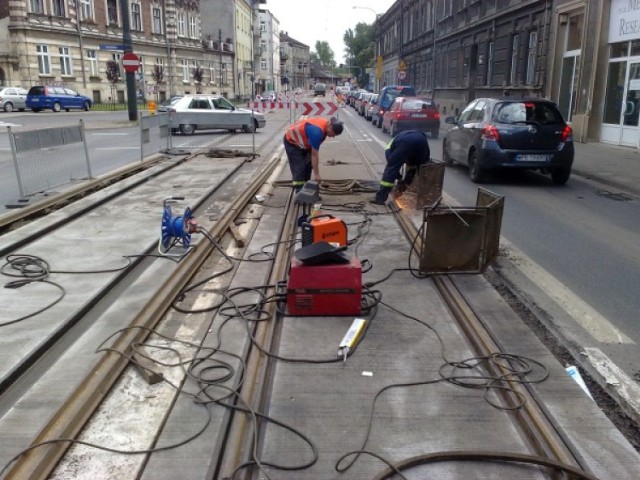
pixel 324 20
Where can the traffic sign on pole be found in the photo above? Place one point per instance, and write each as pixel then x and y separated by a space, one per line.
pixel 402 75
pixel 130 62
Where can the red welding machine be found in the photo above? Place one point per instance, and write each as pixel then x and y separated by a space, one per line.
pixel 330 289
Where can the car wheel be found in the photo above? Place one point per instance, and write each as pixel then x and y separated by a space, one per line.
pixel 384 130
pixel 187 129
pixel 56 107
pixel 446 158
pixel 435 132
pixel 559 176
pixel 476 173
pixel 392 131
pixel 8 107
pixel 86 106
pixel 249 128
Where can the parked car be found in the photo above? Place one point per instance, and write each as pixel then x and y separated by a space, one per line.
pixel 387 95
pixel 43 97
pixel 13 98
pixel 372 107
pixel 412 113
pixel 493 133
pixel 168 103
pixel 363 103
pixel 204 112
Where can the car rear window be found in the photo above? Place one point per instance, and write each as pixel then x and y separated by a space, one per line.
pixel 526 112
pixel 36 90
pixel 417 104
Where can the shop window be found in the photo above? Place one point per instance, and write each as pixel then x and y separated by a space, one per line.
pixel 618 50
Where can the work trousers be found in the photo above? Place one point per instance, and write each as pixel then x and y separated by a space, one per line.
pixel 299 164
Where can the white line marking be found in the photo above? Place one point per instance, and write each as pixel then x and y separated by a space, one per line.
pixel 117 148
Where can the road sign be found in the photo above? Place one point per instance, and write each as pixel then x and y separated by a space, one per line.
pixel 402 75
pixel 318 108
pixel 114 48
pixel 402 65
pixel 130 62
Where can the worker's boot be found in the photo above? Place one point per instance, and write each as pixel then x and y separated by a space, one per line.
pixel 381 196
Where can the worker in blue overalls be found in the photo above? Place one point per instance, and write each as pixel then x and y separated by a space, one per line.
pixel 409 147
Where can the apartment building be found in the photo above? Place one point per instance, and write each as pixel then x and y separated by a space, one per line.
pixel 180 43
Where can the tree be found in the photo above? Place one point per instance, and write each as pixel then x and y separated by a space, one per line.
pixel 198 73
pixel 113 75
pixel 325 54
pixel 360 50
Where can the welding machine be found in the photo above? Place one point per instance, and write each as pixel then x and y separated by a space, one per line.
pixel 324 289
pixel 324 228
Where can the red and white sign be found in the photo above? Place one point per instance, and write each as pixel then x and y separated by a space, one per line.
pixel 402 75
pixel 319 108
pixel 130 62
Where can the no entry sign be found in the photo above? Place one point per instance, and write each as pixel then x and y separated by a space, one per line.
pixel 130 62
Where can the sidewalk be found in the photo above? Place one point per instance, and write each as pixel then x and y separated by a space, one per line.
pixel 618 167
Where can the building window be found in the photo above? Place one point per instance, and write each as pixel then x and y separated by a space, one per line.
pixel 112 12
pixel 193 30
pixel 92 58
pixel 514 60
pixel 86 10
pixel 531 57
pixel 212 72
pixel 181 25
pixel 58 8
pixel 223 70
pixel 44 62
pixel 65 61
pixel 37 6
pixel 489 62
pixel 157 20
pixel 263 26
pixel 185 70
pixel 136 19
pixel 263 64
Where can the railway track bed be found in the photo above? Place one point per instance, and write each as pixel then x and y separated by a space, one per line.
pixel 237 388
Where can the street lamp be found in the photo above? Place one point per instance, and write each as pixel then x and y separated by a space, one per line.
pixel 368 8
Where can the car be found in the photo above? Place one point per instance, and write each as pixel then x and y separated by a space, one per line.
pixel 372 107
pixel 204 112
pixel 387 95
pixel 319 90
pixel 13 98
pixel 412 113
pixel 504 133
pixel 41 97
pixel 168 103
pixel 363 101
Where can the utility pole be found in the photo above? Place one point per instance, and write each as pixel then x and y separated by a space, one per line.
pixel 220 47
pixel 132 105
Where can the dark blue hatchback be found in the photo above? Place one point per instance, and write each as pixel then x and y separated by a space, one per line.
pixel 43 97
pixel 527 134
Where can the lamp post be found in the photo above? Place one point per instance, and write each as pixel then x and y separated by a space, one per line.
pixel 376 47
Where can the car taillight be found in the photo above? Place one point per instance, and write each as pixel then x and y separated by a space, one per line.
pixel 490 132
pixel 437 116
pixel 567 134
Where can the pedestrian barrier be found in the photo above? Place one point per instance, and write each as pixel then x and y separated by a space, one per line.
pixel 461 239
pixel 155 134
pixel 48 158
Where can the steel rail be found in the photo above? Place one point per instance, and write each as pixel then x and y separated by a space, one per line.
pixel 539 431
pixel 259 366
pixel 70 419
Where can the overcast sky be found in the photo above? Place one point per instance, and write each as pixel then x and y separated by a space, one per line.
pixel 326 20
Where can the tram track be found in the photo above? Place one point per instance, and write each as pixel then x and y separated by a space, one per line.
pixel 78 408
pixel 238 442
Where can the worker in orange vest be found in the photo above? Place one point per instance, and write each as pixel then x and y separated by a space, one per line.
pixel 302 142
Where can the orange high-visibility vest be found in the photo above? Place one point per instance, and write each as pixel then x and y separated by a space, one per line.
pixel 296 135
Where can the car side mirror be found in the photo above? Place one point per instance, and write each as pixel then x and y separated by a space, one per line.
pixel 451 120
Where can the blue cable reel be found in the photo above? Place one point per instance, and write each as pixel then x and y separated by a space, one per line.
pixel 176 229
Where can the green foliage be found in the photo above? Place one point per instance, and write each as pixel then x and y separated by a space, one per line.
pixel 360 50
pixel 325 54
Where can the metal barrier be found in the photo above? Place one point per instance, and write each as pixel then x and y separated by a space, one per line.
pixel 461 239
pixel 155 134
pixel 48 158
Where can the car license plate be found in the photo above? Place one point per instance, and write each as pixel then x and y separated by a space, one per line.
pixel 418 115
pixel 532 158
